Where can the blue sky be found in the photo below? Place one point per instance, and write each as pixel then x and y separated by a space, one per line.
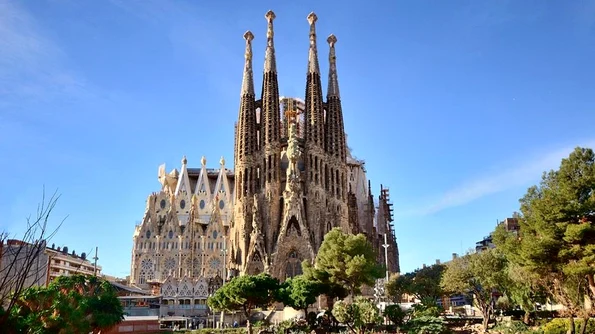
pixel 456 106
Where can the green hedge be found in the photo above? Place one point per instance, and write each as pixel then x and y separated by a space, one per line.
pixel 561 325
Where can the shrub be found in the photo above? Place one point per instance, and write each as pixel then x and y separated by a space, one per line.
pixel 561 325
pixel 513 327
pixel 395 314
pixel 426 325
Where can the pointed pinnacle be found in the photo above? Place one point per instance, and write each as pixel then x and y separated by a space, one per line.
pixel 333 81
pixel 270 64
pixel 248 36
pixel 313 53
pixel 332 39
pixel 247 80
pixel 312 18
pixel 270 16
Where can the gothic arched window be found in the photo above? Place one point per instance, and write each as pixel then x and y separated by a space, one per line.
pixel 294 265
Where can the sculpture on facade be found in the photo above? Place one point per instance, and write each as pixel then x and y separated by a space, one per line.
pixel 292 152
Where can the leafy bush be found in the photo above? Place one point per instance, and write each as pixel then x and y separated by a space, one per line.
pixel 219 331
pixel 561 325
pixel 395 314
pixel 426 325
pixel 556 326
pixel 426 310
pixel 513 327
pixel 358 315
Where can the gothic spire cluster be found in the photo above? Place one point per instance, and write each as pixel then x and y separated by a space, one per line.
pixel 258 131
pixel 290 176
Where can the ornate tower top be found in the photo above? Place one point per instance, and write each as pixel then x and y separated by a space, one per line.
pixel 313 55
pixel 270 64
pixel 203 161
pixel 248 81
pixel 184 160
pixel 333 81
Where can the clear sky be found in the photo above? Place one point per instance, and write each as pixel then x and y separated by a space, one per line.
pixel 456 106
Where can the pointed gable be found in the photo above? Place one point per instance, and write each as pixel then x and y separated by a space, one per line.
pixel 222 186
pixel 222 197
pixel 185 287
pixel 169 288
pixel 183 186
pixel 201 288
pixel 202 185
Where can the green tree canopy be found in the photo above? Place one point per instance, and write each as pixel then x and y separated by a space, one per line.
pixel 70 304
pixel 299 292
pixel 244 293
pixel 480 274
pixel 357 315
pixel 557 232
pixel 423 283
pixel 395 314
pixel 522 287
pixel 347 260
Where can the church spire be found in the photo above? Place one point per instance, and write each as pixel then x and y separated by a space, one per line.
pixel 245 138
pixel 333 81
pixel 270 64
pixel 334 128
pixel 313 54
pixel 270 112
pixel 248 80
pixel 314 114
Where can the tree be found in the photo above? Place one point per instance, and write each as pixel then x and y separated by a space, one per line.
pixel 398 285
pixel 522 287
pixel 556 240
pixel 347 260
pixel 22 265
pixel 423 283
pixel 244 293
pixel 357 315
pixel 70 304
pixel 322 278
pixel 395 314
pixel 299 292
pixel 480 274
pixel 426 282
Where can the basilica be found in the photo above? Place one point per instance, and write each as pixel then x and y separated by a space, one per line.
pixel 293 180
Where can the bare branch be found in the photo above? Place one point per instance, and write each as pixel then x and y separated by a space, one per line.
pixel 23 261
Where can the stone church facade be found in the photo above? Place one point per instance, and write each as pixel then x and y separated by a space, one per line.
pixel 294 179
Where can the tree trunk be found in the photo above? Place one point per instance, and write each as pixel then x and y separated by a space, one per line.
pixel 248 326
pixel 571 329
pixel 485 322
pixel 486 318
pixel 585 323
pixel 591 281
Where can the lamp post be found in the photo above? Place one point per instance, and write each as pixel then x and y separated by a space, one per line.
pixel 224 252
pixel 385 245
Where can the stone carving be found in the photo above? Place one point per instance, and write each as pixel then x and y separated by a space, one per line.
pixel 255 215
pixel 292 153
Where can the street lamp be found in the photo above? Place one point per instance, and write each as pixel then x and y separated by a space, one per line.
pixel 385 245
pixel 224 252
